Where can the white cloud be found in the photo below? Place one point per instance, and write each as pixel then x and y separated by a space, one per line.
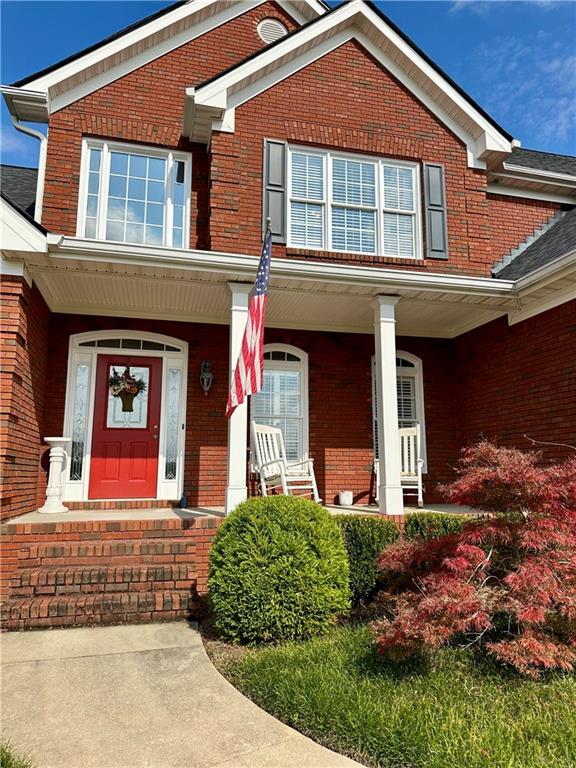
pixel 527 85
pixel 15 147
pixel 482 7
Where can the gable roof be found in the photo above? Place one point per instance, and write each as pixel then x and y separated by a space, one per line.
pixel 541 161
pixel 364 22
pixel 558 241
pixel 130 48
pixel 18 186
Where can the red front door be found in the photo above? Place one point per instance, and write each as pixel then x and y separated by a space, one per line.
pixel 124 456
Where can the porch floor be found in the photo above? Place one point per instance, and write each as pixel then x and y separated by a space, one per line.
pixel 168 513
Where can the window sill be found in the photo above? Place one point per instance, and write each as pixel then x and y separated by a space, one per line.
pixel 363 258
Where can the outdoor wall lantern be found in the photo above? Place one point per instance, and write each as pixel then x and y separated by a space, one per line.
pixel 206 376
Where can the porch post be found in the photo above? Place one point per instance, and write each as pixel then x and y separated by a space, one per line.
pixel 390 499
pixel 236 488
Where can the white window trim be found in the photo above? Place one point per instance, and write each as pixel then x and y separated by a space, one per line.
pixel 302 366
pixel 327 203
pixel 416 373
pixel 168 490
pixel 114 146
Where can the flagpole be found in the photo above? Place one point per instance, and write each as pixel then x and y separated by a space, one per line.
pixel 267 228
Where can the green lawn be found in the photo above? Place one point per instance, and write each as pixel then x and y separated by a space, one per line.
pixel 452 712
pixel 9 759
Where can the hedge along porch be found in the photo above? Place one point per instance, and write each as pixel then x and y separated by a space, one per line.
pixel 333 325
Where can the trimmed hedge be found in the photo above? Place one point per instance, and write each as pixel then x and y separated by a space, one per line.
pixel 432 525
pixel 278 571
pixel 365 538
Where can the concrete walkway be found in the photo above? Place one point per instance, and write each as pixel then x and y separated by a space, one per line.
pixel 136 697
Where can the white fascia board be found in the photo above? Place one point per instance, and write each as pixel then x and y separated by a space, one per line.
pixel 569 183
pixel 71 248
pixel 26 104
pixel 347 17
pixel 530 194
pixel 301 11
pixel 547 273
pixel 17 233
pixel 523 170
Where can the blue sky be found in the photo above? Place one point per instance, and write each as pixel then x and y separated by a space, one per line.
pixel 517 59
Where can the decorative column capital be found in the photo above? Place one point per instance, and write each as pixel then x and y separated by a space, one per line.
pixel 384 307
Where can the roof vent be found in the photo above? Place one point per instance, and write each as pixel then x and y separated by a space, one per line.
pixel 271 30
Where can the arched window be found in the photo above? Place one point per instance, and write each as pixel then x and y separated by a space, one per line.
pixel 283 400
pixel 410 396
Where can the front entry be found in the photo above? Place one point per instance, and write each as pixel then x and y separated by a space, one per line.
pixel 125 437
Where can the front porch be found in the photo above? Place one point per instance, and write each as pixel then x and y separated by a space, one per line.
pixel 108 566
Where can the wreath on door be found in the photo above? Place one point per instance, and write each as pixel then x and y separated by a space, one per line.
pixel 126 387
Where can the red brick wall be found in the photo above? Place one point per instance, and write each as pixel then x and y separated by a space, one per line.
pixel 22 388
pixel 146 106
pixel 512 219
pixel 520 380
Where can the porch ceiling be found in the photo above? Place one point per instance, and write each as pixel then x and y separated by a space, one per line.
pixel 101 287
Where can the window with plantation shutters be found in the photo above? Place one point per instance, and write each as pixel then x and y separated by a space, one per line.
pixel 410 398
pixel 353 204
pixel 282 401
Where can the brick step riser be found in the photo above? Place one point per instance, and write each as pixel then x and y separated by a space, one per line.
pixel 99 588
pixel 66 580
pixel 79 610
pixel 19 625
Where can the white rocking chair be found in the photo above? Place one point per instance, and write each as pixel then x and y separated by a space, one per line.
pixel 294 478
pixel 411 463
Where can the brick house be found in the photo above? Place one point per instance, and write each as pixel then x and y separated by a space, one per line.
pixel 424 269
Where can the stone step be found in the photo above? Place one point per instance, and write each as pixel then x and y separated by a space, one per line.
pixel 62 580
pixel 87 609
pixel 109 552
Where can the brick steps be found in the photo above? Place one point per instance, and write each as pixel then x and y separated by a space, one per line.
pixel 87 572
pixel 62 580
pixel 83 609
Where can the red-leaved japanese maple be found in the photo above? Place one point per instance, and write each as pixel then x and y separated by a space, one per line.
pixel 507 582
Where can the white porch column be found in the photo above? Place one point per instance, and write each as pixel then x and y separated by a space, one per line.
pixel 53 503
pixel 390 499
pixel 236 488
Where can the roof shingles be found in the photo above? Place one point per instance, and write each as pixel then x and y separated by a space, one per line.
pixel 557 241
pixel 18 184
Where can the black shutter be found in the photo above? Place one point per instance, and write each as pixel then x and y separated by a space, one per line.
pixel 275 188
pixel 435 200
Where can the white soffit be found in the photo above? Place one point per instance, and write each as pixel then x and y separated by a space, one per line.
pixel 71 81
pixel 354 20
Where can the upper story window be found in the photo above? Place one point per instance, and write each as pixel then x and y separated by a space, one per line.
pixel 355 204
pixel 134 194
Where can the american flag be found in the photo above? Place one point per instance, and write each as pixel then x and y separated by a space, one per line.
pixel 249 369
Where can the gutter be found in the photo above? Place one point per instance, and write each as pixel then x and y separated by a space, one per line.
pixel 244 265
pixel 41 162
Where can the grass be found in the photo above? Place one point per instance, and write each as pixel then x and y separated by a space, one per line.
pixel 452 711
pixel 9 759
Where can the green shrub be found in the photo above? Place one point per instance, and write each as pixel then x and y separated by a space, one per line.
pixel 431 525
pixel 278 571
pixel 365 538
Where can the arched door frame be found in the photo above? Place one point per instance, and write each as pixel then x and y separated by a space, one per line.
pixel 83 351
